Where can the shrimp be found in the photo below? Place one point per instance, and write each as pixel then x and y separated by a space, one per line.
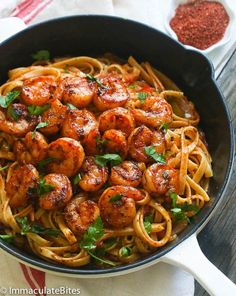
pixel 38 90
pixel 111 93
pixel 115 142
pixel 54 117
pixel 76 91
pixel 161 179
pixel 31 149
pixel 20 184
pixel 155 112
pixel 19 127
pixel 60 194
pixel 93 176
pixel 117 205
pixel 127 173
pixel 82 125
pixel 79 215
pixel 143 137
pixel 117 118
pixel 67 156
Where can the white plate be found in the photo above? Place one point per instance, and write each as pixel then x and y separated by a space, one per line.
pixel 170 12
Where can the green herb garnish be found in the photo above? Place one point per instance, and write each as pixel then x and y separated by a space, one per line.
pixel 115 198
pixel 113 159
pixel 70 106
pixel 173 197
pixel 41 55
pixel 148 223
pixel 131 86
pixel 45 162
pixel 7 237
pixel 37 110
pixel 164 127
pixel 92 235
pixel 39 125
pixel 151 151
pixel 26 227
pixel 142 96
pixel 94 79
pixel 13 114
pixel 5 101
pixel 101 142
pixel 3 168
pixel 76 179
pixel 43 187
pixel 125 251
pixel 105 261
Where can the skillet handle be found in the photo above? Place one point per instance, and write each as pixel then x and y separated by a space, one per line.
pixel 189 256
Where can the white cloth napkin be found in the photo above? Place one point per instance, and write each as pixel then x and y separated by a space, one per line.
pixel 160 279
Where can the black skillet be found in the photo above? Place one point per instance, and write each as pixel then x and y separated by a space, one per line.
pixel 193 73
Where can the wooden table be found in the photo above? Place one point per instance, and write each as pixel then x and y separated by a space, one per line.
pixel 218 238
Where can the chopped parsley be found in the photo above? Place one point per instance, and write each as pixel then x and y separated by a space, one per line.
pixel 43 187
pixel 101 142
pixel 151 151
pixel 92 235
pixel 7 237
pixel 13 114
pixel 125 251
pixel 94 79
pixel 45 162
pixel 148 223
pixel 113 159
pixel 164 127
pixel 115 198
pixel 5 101
pixel 26 227
pixel 71 106
pixel 142 96
pixel 41 55
pixel 37 110
pixel 76 179
pixel 3 168
pixel 39 125
pixel 102 260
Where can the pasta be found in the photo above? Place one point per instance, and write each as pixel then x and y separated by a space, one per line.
pixel 101 160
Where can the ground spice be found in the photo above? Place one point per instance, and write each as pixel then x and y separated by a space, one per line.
pixel 200 23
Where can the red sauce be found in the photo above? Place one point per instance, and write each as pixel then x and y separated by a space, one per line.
pixel 200 23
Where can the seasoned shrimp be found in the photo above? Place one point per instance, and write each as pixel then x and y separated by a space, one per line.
pixel 75 90
pixel 17 128
pixel 79 215
pixel 31 149
pixel 117 205
pixel 117 118
pixel 111 93
pixel 60 194
pixel 38 90
pixel 81 125
pixel 155 111
pixel 22 181
pixel 115 142
pixel 67 156
pixel 127 173
pixel 161 179
pixel 93 176
pixel 54 116
pixel 143 137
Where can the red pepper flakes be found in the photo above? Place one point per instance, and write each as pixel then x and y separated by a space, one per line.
pixel 200 23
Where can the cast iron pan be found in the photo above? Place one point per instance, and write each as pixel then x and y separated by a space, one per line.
pixel 94 35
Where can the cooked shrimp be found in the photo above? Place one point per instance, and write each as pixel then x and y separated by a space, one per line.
pixel 54 117
pixel 117 118
pixel 93 176
pixel 20 127
pixel 115 142
pixel 111 94
pixel 127 173
pixel 143 137
pixel 59 196
pixel 155 111
pixel 79 215
pixel 81 125
pixel 31 149
pixel 161 179
pixel 68 155
pixel 117 205
pixel 75 90
pixel 20 184
pixel 38 90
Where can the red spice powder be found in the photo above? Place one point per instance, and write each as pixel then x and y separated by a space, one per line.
pixel 200 23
